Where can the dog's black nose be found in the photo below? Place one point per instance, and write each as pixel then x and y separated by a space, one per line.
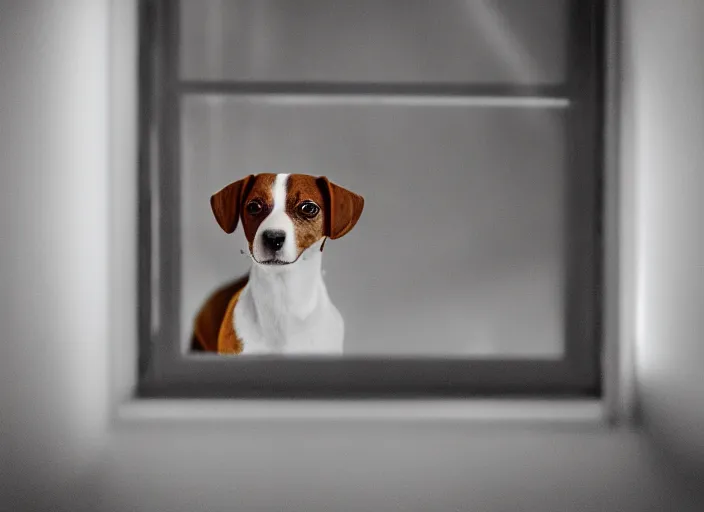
pixel 274 239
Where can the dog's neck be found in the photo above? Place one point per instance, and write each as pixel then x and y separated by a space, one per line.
pixel 287 294
pixel 287 309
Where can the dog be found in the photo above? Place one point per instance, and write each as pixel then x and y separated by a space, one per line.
pixel 282 305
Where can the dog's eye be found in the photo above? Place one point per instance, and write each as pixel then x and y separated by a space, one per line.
pixel 254 207
pixel 309 209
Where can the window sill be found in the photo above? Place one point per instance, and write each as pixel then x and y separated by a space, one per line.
pixel 550 412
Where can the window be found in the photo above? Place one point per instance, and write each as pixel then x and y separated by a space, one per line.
pixel 473 130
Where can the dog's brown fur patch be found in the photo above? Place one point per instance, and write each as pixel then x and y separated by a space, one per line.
pixel 262 190
pixel 301 188
pixel 228 341
pixel 210 317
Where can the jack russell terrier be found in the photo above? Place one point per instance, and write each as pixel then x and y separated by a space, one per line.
pixel 282 306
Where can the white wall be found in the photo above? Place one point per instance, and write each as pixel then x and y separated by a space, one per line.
pixel 57 449
pixel 53 243
pixel 667 69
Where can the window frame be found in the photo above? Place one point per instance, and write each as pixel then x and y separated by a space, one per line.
pixel 164 371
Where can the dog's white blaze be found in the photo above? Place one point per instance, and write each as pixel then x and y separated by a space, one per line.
pixel 279 192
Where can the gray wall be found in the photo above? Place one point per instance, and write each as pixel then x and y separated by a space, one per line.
pixel 57 449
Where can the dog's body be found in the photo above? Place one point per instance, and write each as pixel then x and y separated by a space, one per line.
pixel 282 306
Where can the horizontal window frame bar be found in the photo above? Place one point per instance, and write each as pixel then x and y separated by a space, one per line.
pixel 317 100
pixel 191 376
pixel 429 89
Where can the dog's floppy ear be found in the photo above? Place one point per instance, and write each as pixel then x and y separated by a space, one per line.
pixel 343 208
pixel 226 203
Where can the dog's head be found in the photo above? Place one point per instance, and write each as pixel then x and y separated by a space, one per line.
pixel 285 214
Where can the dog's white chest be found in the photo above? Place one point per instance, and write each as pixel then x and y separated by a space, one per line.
pixel 269 327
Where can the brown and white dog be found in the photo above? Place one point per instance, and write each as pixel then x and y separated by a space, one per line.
pixel 282 306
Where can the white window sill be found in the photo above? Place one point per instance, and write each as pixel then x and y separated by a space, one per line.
pixel 554 412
